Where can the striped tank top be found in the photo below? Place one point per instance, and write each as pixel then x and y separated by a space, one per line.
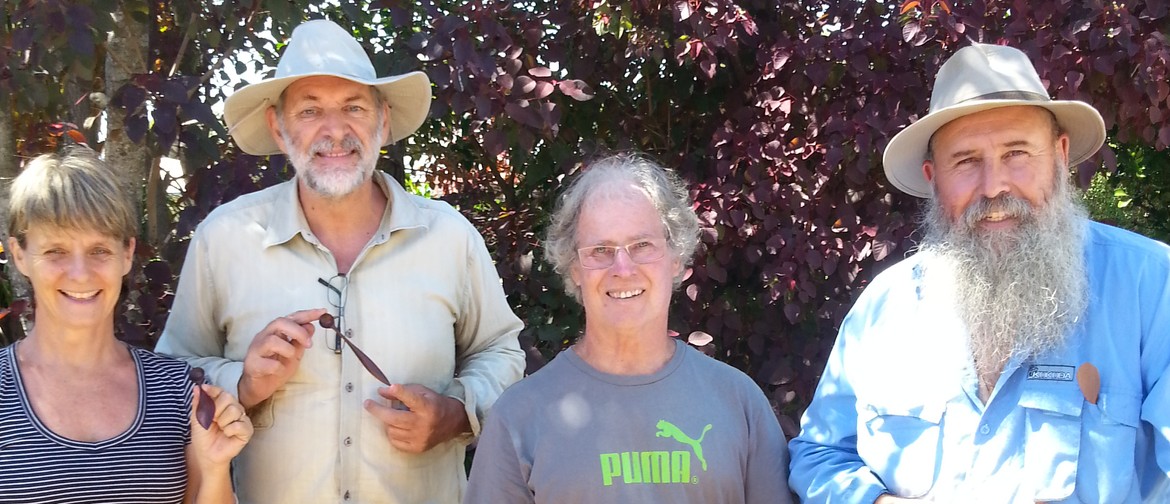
pixel 145 464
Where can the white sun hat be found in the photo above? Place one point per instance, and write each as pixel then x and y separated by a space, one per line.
pixel 321 47
pixel 981 77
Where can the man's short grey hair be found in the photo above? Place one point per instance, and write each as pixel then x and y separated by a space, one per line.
pixel 663 187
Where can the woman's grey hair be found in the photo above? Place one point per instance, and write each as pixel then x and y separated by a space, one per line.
pixel 663 187
pixel 73 189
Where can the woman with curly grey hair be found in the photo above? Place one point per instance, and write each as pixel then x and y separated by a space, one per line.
pixel 628 413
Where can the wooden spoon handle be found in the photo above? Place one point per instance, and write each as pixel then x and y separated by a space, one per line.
pixel 366 361
pixel 205 413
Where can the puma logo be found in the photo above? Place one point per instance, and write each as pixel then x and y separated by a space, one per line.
pixel 667 429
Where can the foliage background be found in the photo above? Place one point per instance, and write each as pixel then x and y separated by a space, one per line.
pixel 776 112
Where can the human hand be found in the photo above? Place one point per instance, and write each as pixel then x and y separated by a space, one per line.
pixel 231 429
pixel 275 354
pixel 431 418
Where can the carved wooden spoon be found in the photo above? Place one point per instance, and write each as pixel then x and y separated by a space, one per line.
pixel 205 413
pixel 327 322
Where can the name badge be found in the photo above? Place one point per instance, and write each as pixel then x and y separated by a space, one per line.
pixel 1050 372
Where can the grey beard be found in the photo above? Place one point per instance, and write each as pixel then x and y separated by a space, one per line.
pixel 1019 292
pixel 333 186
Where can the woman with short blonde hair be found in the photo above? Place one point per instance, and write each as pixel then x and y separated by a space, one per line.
pixel 83 416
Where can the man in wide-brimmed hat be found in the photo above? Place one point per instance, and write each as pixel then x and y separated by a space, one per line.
pixel 1022 354
pixel 406 279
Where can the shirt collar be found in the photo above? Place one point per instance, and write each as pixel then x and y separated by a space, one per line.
pixel 288 218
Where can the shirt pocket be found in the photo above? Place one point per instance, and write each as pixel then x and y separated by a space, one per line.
pixel 1052 437
pixel 261 414
pixel 1108 443
pixel 901 445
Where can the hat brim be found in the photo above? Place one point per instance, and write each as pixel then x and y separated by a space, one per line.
pixel 906 152
pixel 409 96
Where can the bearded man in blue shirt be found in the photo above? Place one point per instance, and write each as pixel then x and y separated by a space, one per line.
pixel 1022 353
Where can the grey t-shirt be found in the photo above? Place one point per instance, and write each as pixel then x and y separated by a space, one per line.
pixel 697 431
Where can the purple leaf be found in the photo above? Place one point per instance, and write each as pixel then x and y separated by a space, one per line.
pixel 699 338
pixel 575 89
pixel 135 126
pixel 525 84
pixel 707 66
pixel 716 272
pixel 205 412
pixel 495 142
pixel 540 72
pixel 792 312
pixel 174 91
pixel 522 113
pixel 505 82
pixel 910 31
pixel 129 97
pixel 543 89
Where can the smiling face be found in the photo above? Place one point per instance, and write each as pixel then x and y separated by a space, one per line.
pixel 626 297
pixel 76 275
pixel 1008 151
pixel 331 129
pixel 1004 232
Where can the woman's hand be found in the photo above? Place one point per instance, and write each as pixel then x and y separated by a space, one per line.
pixel 217 445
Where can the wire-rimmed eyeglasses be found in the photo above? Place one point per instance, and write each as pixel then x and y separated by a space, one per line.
pixel 338 288
pixel 643 251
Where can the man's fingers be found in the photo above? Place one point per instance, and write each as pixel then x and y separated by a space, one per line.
pixel 405 445
pixel 413 396
pixel 264 366
pixel 389 416
pixel 307 317
pixel 291 330
pixel 279 345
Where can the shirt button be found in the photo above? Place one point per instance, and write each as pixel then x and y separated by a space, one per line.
pixel 985 429
pixel 349 387
pixel 348 441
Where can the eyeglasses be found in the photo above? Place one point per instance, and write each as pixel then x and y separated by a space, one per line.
pixel 643 251
pixel 338 287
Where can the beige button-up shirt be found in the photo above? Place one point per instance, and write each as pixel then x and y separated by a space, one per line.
pixel 423 300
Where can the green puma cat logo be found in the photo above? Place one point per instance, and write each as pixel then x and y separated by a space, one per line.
pixel 667 429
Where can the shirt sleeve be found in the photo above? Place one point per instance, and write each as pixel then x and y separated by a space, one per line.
pixel 191 333
pixel 487 352
pixel 766 481
pixel 496 473
pixel 1155 363
pixel 825 465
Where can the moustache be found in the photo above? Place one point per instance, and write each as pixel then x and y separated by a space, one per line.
pixel 327 145
pixel 1007 205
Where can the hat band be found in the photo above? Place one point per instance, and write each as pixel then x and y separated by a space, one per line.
pixel 1009 95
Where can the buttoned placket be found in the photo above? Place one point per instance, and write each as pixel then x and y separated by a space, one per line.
pixel 972 426
pixel 350 396
pixel 353 394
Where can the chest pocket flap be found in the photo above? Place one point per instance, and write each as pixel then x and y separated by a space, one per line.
pixel 900 444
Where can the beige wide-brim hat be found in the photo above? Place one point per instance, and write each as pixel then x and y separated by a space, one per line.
pixel 981 77
pixel 320 47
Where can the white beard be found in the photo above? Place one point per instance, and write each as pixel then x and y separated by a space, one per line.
pixel 333 183
pixel 1019 292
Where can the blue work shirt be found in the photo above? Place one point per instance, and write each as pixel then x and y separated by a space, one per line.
pixel 897 409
